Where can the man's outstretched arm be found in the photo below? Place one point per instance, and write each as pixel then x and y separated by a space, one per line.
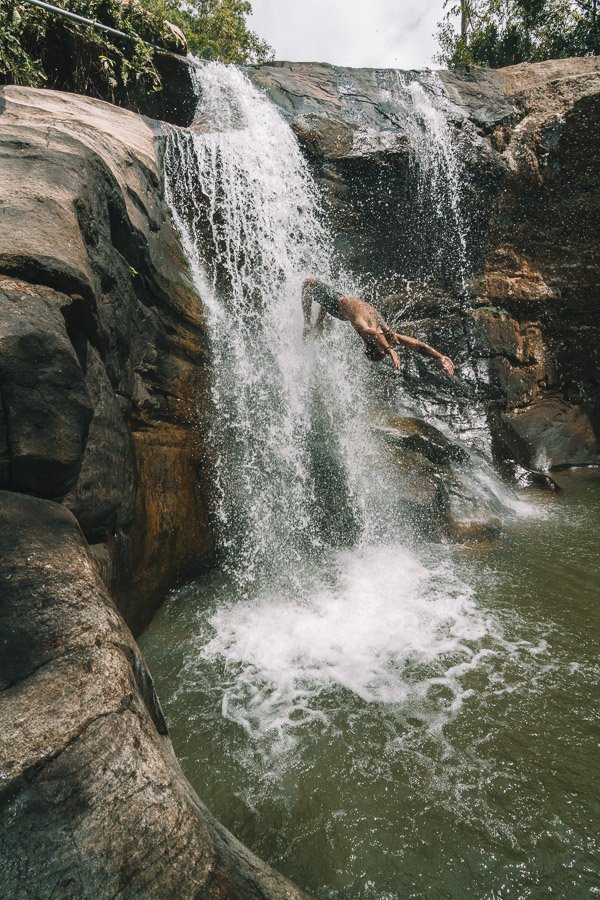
pixel 421 347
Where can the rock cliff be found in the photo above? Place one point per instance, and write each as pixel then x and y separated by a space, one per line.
pixel 102 342
pixel 104 384
pixel 103 370
pixel 525 325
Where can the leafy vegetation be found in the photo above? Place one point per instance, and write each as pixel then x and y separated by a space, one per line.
pixel 217 29
pixel 502 32
pixel 40 48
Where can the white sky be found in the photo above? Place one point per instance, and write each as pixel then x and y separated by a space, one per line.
pixel 379 33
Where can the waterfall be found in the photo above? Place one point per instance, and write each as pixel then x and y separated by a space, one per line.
pixel 320 587
pixel 439 211
pixel 354 703
pixel 295 461
pixel 426 110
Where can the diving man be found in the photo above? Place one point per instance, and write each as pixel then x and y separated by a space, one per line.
pixel 367 321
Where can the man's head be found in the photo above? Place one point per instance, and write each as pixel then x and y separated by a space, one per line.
pixel 374 351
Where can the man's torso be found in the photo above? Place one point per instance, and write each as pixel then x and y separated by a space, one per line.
pixel 361 314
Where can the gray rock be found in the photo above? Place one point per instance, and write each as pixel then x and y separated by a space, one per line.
pixel 437 489
pixel 469 517
pixel 413 434
pixel 481 93
pixel 551 434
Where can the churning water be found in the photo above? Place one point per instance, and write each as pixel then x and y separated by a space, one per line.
pixel 318 673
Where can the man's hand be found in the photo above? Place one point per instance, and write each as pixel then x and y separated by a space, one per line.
pixel 395 359
pixel 446 364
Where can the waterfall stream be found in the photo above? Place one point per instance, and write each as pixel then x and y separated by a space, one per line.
pixel 322 669
pixel 309 530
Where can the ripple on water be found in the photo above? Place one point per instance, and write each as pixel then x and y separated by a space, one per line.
pixel 390 731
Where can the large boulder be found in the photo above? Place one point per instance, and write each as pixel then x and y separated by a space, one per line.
pixel 437 489
pixel 92 800
pixel 551 434
pixel 103 343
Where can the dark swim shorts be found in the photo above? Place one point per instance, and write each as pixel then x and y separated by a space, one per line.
pixel 328 298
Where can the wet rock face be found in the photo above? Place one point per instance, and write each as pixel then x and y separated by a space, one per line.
pixel 102 341
pixel 520 313
pixel 359 128
pixel 92 800
pixel 439 493
pixel 46 405
pixel 558 433
pixel 542 266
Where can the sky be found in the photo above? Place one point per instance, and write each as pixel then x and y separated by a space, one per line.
pixel 380 33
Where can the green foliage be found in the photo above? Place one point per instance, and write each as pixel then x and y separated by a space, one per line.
pixel 17 64
pixel 503 32
pixel 41 48
pixel 217 29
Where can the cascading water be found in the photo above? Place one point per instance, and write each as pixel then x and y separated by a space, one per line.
pixel 425 109
pixel 439 210
pixel 299 474
pixel 247 209
pixel 334 677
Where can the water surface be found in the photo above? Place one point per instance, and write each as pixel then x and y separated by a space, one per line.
pixel 407 721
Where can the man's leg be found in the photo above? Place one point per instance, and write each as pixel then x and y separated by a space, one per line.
pixel 320 319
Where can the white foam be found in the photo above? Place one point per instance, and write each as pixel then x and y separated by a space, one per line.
pixel 376 623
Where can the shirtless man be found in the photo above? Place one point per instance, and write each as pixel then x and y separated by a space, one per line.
pixel 379 338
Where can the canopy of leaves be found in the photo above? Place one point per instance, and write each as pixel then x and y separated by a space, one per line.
pixel 40 48
pixel 502 32
pixel 217 29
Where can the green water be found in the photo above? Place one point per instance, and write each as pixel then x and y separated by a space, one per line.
pixel 479 780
